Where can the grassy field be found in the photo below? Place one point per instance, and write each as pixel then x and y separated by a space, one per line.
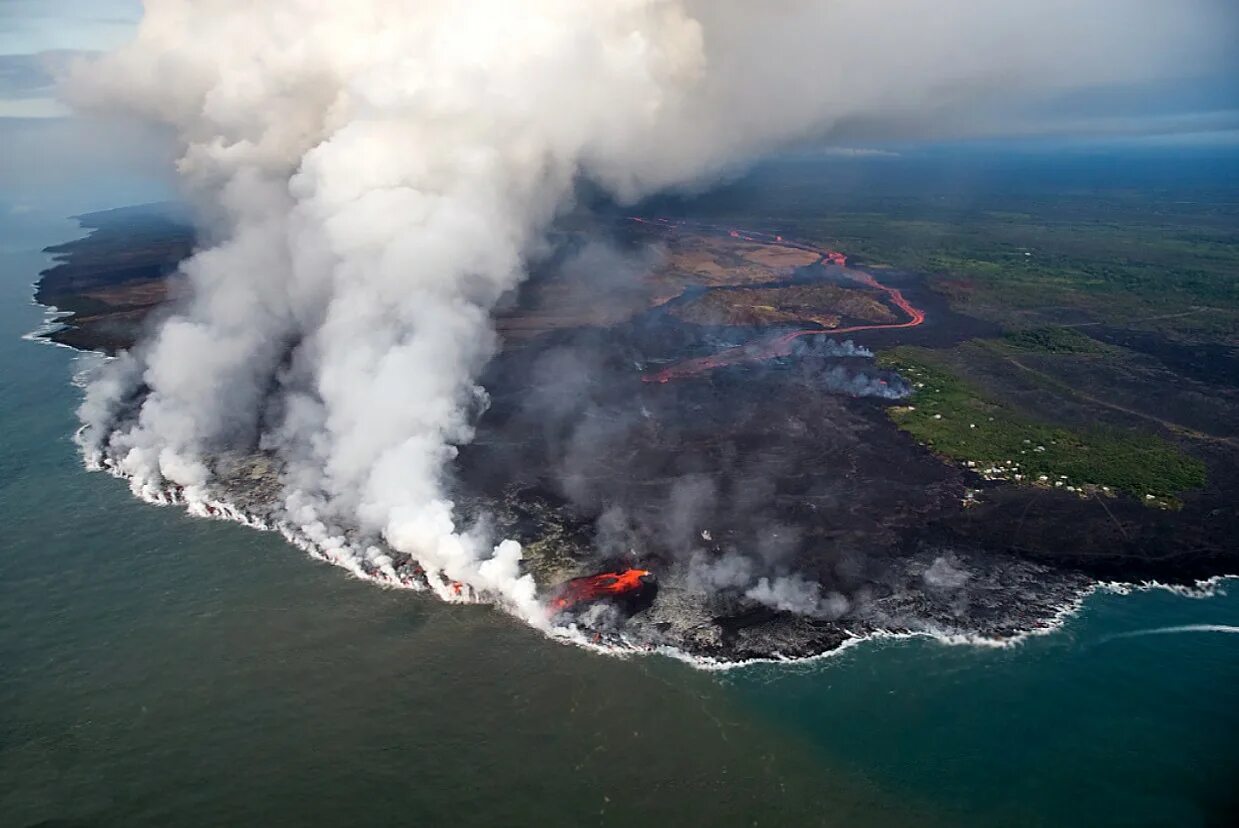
pixel 1053 341
pixel 1173 271
pixel 960 422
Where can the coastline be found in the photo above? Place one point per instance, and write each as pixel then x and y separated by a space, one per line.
pixel 617 644
pixel 216 509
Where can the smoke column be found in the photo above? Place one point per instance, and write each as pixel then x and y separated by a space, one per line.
pixel 373 174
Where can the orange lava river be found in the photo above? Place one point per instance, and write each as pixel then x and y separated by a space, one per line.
pixel 593 587
pixel 783 345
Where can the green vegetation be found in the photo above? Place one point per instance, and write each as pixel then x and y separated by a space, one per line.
pixel 1054 341
pixel 1175 273
pixel 957 421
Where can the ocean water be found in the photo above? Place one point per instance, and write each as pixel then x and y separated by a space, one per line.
pixel 161 670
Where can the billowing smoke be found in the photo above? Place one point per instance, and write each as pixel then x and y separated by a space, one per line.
pixel 825 347
pixel 374 175
pixel 728 571
pixel 842 380
pixel 846 379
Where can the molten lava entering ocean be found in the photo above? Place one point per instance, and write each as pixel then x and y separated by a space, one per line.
pixel 581 591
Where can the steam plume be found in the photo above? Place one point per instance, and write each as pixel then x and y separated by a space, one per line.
pixel 794 593
pixel 374 174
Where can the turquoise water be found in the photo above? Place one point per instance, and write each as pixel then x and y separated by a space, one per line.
pixel 159 670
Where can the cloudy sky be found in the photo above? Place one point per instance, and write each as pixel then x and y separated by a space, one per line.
pixel 53 164
pixel 36 35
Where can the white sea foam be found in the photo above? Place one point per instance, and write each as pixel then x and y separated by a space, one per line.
pixel 50 324
pixel 52 315
pixel 1175 630
pixel 1206 588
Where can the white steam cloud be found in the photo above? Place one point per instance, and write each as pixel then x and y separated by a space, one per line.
pixel 374 174
pixel 794 593
pixel 786 593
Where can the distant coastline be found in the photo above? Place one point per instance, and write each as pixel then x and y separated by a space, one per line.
pixel 103 286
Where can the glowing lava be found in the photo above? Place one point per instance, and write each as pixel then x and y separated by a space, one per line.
pixel 591 588
pixel 782 345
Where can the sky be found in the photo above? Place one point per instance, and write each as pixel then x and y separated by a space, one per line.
pixel 52 164
pixel 35 36
pixel 37 25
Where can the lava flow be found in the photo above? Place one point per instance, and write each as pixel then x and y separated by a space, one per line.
pixel 782 345
pixel 579 591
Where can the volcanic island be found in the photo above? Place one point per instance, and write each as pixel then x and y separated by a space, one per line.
pixel 735 444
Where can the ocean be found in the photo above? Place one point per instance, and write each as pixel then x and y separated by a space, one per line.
pixel 161 670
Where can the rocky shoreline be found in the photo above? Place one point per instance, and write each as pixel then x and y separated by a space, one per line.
pixel 680 632
pixel 1009 599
